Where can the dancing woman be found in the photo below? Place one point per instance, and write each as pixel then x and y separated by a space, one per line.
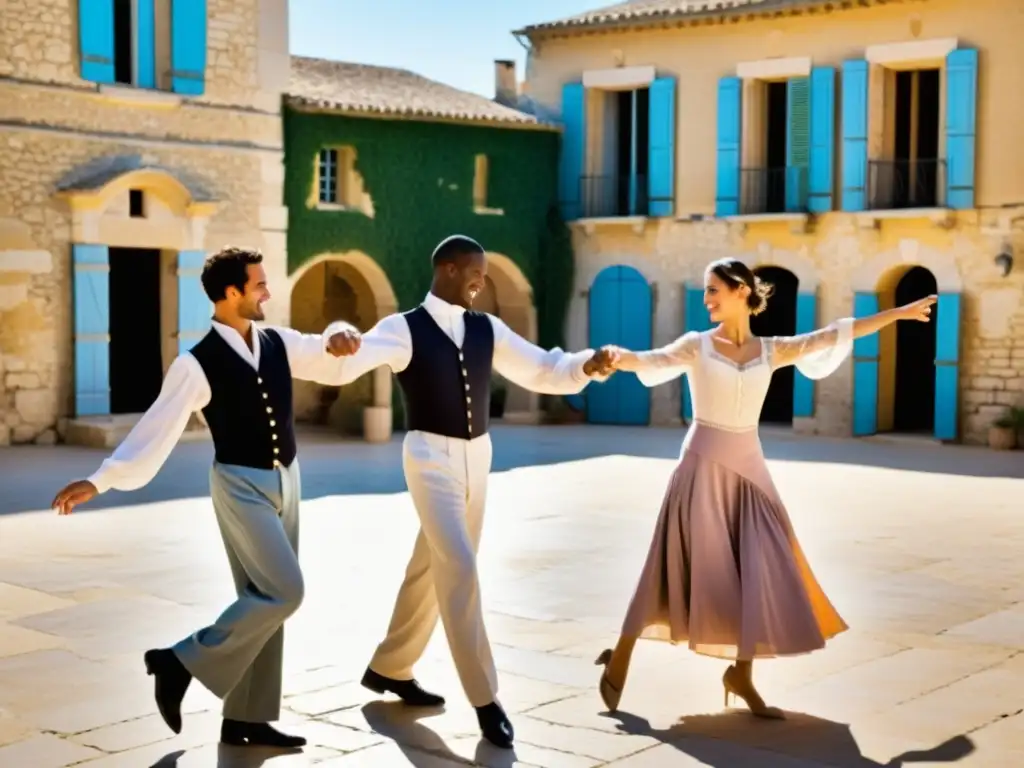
pixel 725 572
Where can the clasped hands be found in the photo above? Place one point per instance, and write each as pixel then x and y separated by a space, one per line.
pixel 604 362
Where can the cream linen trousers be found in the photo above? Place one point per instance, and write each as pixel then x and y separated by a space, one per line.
pixel 447 479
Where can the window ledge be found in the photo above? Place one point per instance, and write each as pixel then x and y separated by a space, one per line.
pixel 481 210
pixel 797 221
pixel 143 97
pixel 590 225
pixel 871 219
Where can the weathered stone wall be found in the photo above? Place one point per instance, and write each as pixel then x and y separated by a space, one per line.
pixel 52 122
pixel 837 256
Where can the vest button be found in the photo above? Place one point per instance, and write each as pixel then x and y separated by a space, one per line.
pixel 272 422
pixel 265 396
pixel 467 387
pixel 464 375
pixel 273 437
pixel 468 399
pixel 269 409
pixel 259 380
pixel 277 463
pixel 277 451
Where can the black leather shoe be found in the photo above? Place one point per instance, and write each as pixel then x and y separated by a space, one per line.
pixel 239 734
pixel 495 725
pixel 409 691
pixel 172 680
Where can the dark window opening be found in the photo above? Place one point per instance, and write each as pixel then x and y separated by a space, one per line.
pixel 124 42
pixel 136 363
pixel 774 183
pixel 630 181
pixel 136 201
pixel 328 176
pixel 914 397
pixel 915 176
pixel 778 320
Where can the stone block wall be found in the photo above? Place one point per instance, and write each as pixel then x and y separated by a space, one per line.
pixel 836 255
pixel 52 122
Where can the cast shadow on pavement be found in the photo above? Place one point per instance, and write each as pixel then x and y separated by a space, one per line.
pixel 719 740
pixel 421 745
pixel 232 757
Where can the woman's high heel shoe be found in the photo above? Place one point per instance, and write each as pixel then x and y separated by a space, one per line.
pixel 610 695
pixel 745 691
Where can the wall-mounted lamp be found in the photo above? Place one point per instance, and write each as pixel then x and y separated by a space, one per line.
pixel 1005 260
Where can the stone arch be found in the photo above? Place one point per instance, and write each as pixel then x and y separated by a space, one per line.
pixel 349 286
pixel 176 208
pixel 892 264
pixel 797 262
pixel 510 296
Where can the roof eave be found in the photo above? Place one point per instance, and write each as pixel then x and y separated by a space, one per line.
pixel 687 18
pixel 316 106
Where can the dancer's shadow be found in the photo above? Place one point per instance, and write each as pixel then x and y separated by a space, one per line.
pixel 232 757
pixel 713 739
pixel 420 744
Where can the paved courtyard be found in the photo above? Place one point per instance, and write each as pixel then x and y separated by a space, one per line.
pixel 920 547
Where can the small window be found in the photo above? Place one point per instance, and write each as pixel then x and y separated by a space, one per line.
pixel 136 204
pixel 329 176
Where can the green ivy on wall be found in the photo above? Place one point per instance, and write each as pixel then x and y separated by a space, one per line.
pixel 420 178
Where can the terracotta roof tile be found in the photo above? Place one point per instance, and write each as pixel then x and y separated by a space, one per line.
pixel 653 11
pixel 372 90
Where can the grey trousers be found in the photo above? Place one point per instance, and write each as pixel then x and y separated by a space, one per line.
pixel 239 657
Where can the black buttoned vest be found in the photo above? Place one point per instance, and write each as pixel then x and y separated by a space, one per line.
pixel 447 391
pixel 250 411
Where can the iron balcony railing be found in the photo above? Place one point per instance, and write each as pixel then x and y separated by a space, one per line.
pixel 609 196
pixel 773 190
pixel 899 184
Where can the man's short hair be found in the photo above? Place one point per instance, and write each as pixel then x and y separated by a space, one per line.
pixel 227 268
pixel 453 248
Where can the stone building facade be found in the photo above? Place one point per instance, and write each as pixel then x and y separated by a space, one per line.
pixel 857 155
pixel 131 144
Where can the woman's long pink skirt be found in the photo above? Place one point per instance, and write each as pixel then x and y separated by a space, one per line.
pixel 725 572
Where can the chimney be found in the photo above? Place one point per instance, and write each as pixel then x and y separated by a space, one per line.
pixel 506 91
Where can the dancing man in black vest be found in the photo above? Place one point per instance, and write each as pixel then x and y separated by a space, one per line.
pixel 443 353
pixel 240 377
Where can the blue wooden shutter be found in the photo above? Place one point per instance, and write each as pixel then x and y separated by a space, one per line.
pixel 603 308
pixel 727 186
pixel 145 43
pixel 636 318
pixel 798 142
pixel 194 308
pixel 96 40
pixel 803 388
pixel 947 365
pixel 855 135
pixel 865 370
pixel 697 319
pixel 92 329
pixel 823 131
pixel 570 172
pixel 661 167
pixel 188 46
pixel 961 119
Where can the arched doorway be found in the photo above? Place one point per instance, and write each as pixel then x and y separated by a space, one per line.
pixel 620 312
pixel 508 295
pixel 778 320
pixel 350 287
pixel 907 356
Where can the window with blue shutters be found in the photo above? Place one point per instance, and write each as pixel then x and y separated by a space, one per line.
pixel 144 43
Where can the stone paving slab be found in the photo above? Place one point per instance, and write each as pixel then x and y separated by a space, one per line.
pixel 918 546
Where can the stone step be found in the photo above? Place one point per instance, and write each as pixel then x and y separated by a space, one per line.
pixel 109 431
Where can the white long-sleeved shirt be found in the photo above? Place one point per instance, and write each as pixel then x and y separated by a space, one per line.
pixel 186 390
pixel 550 372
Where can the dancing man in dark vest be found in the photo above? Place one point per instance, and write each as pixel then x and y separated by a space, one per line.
pixel 240 377
pixel 443 354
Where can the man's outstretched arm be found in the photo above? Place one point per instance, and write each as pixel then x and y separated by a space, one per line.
pixel 141 454
pixel 549 372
